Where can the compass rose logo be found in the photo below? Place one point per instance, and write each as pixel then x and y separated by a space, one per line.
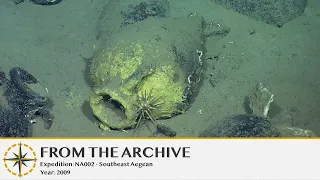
pixel 20 159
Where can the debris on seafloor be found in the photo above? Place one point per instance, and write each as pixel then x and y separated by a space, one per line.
pixel 295 132
pixel 260 99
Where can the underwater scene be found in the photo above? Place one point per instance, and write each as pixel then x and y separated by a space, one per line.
pixel 159 68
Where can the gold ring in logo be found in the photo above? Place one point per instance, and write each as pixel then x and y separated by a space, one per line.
pixel 20 159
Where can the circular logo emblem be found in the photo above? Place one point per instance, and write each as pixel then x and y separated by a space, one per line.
pixel 20 159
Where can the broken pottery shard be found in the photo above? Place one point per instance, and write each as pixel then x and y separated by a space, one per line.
pixel 259 100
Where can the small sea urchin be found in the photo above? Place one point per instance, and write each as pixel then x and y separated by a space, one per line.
pixel 146 105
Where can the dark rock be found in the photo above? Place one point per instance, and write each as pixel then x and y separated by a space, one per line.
pixel 242 125
pixel 274 12
pixel 46 2
pixel 39 2
pixel 19 104
pixel 143 10
pixel 117 15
